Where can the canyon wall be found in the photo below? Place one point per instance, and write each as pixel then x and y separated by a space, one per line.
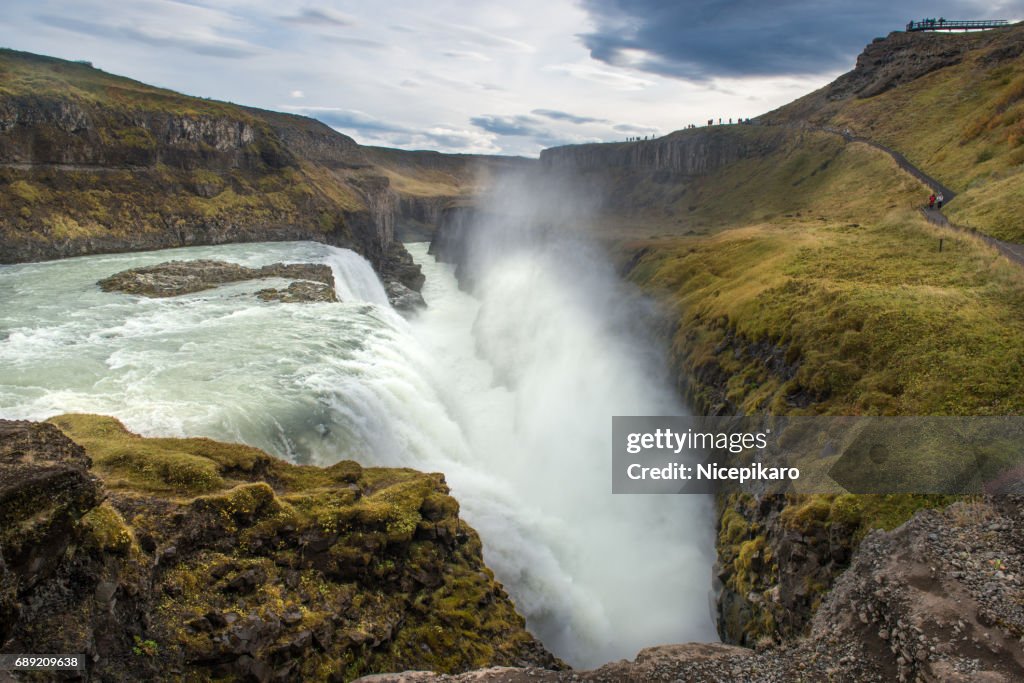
pixel 694 152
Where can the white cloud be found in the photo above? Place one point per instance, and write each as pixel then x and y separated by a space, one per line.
pixel 398 73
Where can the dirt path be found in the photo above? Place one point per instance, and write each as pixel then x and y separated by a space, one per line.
pixel 900 160
pixel 1011 250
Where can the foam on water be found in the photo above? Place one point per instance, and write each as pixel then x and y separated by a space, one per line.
pixel 509 394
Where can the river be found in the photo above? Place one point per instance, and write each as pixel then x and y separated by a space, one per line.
pixel 508 391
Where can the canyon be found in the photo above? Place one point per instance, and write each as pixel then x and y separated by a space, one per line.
pixel 766 294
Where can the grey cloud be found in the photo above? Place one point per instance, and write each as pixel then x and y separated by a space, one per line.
pixel 355 42
pixel 210 48
pixel 509 125
pixel 521 126
pixel 566 116
pixel 350 119
pixel 319 17
pixel 701 39
pixel 630 128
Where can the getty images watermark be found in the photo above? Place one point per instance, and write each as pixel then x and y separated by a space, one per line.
pixel 947 455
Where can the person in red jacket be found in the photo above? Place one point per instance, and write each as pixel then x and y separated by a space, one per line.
pixel 931 201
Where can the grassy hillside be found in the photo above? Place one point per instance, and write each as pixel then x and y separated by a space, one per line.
pixel 805 174
pixel 959 116
pixel 94 162
pixel 424 174
pixel 27 74
pixel 803 278
pixel 816 254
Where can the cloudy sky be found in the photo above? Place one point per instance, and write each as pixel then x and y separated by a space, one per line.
pixel 485 77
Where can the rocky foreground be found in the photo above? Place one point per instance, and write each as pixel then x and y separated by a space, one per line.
pixel 940 598
pixel 190 559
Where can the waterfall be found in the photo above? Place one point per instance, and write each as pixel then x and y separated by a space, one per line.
pixel 509 393
pixel 354 278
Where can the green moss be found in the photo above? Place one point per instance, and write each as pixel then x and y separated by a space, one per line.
pixel 860 513
pixel 27 192
pixel 107 530
pixel 814 511
pixel 129 461
pixel 733 527
pixel 242 504
pixel 373 561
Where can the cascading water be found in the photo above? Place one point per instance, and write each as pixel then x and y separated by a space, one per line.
pixel 354 279
pixel 508 392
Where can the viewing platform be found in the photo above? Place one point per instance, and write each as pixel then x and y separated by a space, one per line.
pixel 955 25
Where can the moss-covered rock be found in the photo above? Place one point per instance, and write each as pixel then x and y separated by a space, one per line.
pixel 217 561
pixel 779 555
pixel 174 278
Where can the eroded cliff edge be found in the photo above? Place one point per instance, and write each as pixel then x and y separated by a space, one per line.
pixel 94 163
pixel 195 559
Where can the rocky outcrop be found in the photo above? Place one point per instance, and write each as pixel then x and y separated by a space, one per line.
pixel 175 278
pixel 403 299
pixel 45 488
pixel 418 217
pixel 56 131
pixel 427 183
pixel 94 163
pixel 312 141
pixel 894 61
pixel 302 291
pixel 683 153
pixel 399 266
pixel 191 559
pixel 898 59
pixel 937 599
pixel 452 239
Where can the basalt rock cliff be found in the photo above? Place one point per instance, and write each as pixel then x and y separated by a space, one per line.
pixel 190 559
pixel 92 163
pixel 427 184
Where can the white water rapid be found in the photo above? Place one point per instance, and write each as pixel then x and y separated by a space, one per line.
pixel 509 392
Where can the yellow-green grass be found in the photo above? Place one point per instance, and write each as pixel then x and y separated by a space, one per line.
pixel 26 74
pixel 964 125
pixel 802 176
pixel 877 319
pixel 994 206
pixel 424 174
